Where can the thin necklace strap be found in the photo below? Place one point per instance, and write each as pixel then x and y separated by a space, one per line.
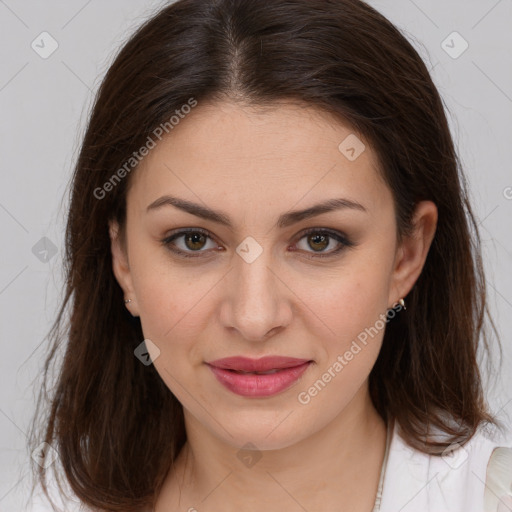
pixel 389 435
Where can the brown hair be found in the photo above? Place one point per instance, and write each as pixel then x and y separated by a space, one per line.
pixel 115 424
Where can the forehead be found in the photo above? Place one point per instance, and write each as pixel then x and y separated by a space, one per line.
pixel 286 153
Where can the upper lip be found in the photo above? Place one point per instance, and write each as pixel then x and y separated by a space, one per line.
pixel 263 364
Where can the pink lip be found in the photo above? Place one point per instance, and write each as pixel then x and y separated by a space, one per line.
pixel 258 385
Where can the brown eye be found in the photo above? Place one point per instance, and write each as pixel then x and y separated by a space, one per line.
pixel 318 242
pixel 187 242
pixel 194 241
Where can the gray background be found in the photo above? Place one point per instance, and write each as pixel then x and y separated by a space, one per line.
pixel 45 103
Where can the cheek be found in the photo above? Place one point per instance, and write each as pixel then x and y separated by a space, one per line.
pixel 353 308
pixel 172 309
pixel 170 297
pixel 352 304
pixel 351 298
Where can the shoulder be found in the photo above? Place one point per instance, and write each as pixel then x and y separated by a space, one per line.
pixel 456 481
pixel 498 490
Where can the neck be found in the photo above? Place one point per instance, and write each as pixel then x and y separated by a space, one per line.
pixel 336 468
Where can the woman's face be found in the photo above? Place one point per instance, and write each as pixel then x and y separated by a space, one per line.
pixel 253 282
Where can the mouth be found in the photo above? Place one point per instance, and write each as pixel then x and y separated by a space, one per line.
pixel 258 377
pixel 269 372
pixel 263 365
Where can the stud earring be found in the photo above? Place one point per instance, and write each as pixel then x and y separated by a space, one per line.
pixel 402 303
pixel 126 301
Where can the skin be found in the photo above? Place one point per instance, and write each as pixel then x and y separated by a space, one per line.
pixel 255 165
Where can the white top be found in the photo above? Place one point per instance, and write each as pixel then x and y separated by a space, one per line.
pixel 473 478
pixel 412 481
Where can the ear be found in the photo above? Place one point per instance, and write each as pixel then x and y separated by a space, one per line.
pixel 412 252
pixel 121 267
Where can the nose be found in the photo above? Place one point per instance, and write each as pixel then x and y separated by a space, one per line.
pixel 257 302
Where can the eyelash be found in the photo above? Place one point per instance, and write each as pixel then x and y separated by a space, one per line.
pixel 342 239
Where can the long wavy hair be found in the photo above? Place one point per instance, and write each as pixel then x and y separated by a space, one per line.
pixel 115 424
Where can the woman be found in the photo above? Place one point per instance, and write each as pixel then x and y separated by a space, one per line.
pixel 274 281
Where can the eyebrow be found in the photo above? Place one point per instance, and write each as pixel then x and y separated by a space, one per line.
pixel 285 220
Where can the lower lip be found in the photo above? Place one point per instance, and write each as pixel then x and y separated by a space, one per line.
pixel 259 385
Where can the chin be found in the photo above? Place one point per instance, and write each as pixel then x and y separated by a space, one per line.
pixel 266 431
